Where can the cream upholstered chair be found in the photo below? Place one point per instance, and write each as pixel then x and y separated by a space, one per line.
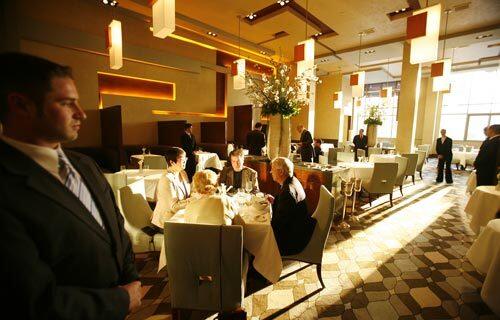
pixel 313 252
pixel 412 165
pixel 382 180
pixel 400 176
pixel 116 180
pixel 426 148
pixel 422 155
pixel 372 150
pixel 137 213
pixel 155 162
pixel 360 153
pixel 345 156
pixel 206 266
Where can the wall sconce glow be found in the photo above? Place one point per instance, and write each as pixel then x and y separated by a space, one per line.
pixel 423 31
pixel 115 46
pixel 238 71
pixel 441 75
pixel 163 18
pixel 304 56
pixel 357 83
pixel 337 100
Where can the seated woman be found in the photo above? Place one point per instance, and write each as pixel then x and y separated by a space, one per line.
pixel 204 206
pixel 173 187
pixel 237 175
pixel 292 224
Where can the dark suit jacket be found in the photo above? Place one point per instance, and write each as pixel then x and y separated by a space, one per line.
pixel 292 224
pixel 444 149
pixel 57 262
pixel 360 143
pixel 226 176
pixel 256 140
pixel 317 152
pixel 487 162
pixel 306 149
pixel 188 144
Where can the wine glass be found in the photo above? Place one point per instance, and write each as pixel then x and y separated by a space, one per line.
pixel 248 186
pixel 143 150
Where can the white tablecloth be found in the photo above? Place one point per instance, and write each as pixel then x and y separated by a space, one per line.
pixel 484 254
pixel 207 160
pixel 382 158
pixel 483 206
pixel 258 239
pixel 150 176
pixel 361 170
pixel 471 183
pixel 464 156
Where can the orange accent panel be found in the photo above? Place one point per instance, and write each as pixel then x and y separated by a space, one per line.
pixel 437 69
pixel 335 96
pixel 353 80
pixel 234 68
pixel 299 52
pixel 383 93
pixel 416 26
pixel 119 85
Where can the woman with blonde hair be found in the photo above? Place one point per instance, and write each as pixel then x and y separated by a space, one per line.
pixel 206 207
pixel 173 187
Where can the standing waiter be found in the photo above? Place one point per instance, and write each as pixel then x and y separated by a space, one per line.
pixel 306 150
pixel 443 149
pixel 189 146
pixel 360 141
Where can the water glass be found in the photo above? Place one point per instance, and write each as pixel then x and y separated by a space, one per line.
pixel 123 168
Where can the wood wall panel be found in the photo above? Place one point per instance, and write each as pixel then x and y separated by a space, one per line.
pixel 213 132
pixel 111 126
pixel 120 85
pixel 170 132
pixel 243 123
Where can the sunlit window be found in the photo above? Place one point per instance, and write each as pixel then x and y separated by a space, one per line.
pixel 472 104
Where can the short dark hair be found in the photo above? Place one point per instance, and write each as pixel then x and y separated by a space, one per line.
pixel 27 75
pixel 258 125
pixel 495 128
pixel 172 154
pixel 236 153
pixel 188 125
pixel 318 141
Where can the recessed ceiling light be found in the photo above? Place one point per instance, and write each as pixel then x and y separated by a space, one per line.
pixel 484 36
pixel 370 51
pixel 213 34
pixel 324 60
pixel 263 52
pixel 112 3
pixel 282 2
pixel 251 16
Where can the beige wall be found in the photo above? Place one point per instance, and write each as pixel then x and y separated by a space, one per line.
pixel 421 111
pixel 327 118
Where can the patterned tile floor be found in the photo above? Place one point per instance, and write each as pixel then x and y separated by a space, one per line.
pixel 404 262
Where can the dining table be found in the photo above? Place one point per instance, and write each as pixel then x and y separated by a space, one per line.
pixel 207 160
pixel 465 156
pixel 483 206
pixel 258 235
pixel 359 170
pixel 135 158
pixel 150 176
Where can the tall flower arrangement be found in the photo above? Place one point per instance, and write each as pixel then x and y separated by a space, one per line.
pixel 374 116
pixel 276 94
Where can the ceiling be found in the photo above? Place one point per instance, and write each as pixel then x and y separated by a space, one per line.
pixel 348 19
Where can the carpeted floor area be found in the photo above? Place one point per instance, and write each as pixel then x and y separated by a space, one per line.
pixel 404 262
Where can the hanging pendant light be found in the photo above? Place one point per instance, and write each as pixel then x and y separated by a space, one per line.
pixel 357 79
pixel 114 44
pixel 238 68
pixel 441 70
pixel 304 57
pixel 422 29
pixel 163 18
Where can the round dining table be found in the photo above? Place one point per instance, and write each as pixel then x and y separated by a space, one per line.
pixel 483 206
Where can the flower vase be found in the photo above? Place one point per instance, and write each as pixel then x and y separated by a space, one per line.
pixel 371 134
pixel 278 138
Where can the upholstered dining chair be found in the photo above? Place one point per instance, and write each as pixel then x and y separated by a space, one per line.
pixel 382 180
pixel 206 267
pixel 155 162
pixel 313 252
pixel 426 148
pixel 373 150
pixel 422 155
pixel 116 180
pixel 345 156
pixel 400 176
pixel 360 153
pixel 137 213
pixel 412 165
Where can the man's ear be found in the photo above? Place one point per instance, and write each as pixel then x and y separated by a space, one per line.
pixel 20 104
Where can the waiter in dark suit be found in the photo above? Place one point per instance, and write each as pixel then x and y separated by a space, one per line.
pixel 188 142
pixel 360 141
pixel 256 140
pixel 65 252
pixel 443 150
pixel 306 150
pixel 488 158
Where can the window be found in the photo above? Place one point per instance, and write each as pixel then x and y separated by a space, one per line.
pixel 472 104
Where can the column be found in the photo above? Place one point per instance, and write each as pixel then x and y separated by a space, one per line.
pixel 432 117
pixel 408 102
pixel 329 122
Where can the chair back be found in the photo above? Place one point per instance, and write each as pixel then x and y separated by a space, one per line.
pixel 323 159
pixel 155 162
pixel 360 153
pixel 134 206
pixel 204 264
pixel 116 180
pixel 372 150
pixel 412 163
pixel 400 176
pixel 383 178
pixel 345 156
pixel 230 147
pixel 333 155
pixel 468 148
pixel 420 160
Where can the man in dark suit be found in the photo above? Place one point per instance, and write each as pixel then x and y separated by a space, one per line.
pixel 317 149
pixel 291 223
pixel 188 142
pixel 306 150
pixel 360 141
pixel 488 159
pixel 65 252
pixel 445 155
pixel 256 140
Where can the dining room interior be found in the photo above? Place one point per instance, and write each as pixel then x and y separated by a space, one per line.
pixel 290 159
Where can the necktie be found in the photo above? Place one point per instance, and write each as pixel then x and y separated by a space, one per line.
pixel 73 182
